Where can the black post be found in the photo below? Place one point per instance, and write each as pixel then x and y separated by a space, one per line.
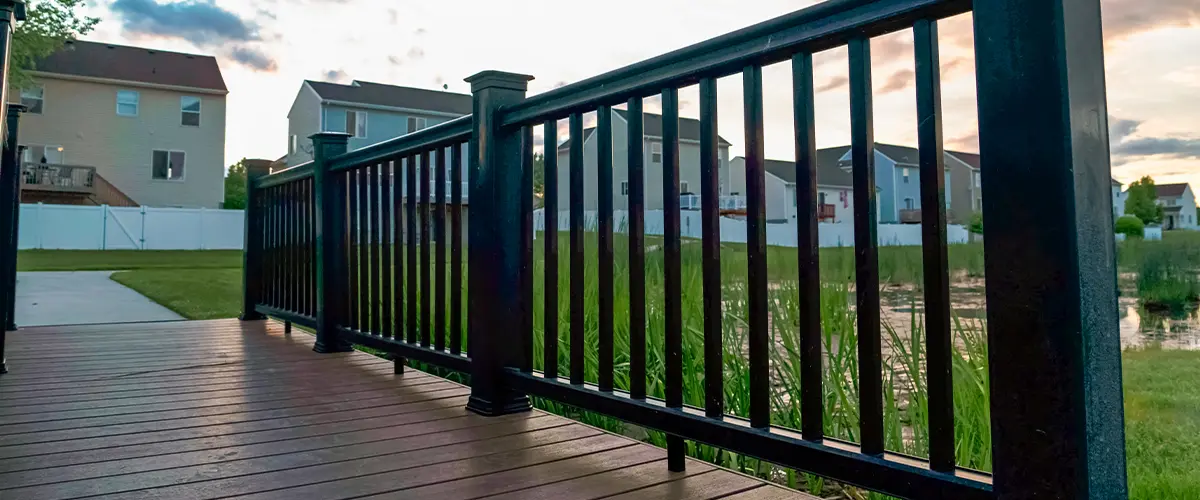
pixel 1056 406
pixel 10 179
pixel 494 254
pixel 252 264
pixel 330 209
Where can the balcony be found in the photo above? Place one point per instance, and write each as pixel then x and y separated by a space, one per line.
pixel 69 185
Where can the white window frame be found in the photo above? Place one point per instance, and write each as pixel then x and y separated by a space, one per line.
pixel 137 103
pixel 910 203
pixel 905 175
pixel 415 123
pixel 41 98
pixel 360 122
pixel 181 178
pixel 656 149
pixel 27 155
pixel 624 188
pixel 183 112
pixel 978 179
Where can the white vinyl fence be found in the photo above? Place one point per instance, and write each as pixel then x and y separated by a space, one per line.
pixel 70 227
pixel 784 235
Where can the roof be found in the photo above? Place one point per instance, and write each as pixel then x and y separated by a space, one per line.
pixel 970 159
pixel 911 156
pixel 652 126
pixel 134 64
pixel 828 173
pixel 1170 190
pixel 392 96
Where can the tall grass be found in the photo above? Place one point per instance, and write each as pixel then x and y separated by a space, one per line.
pixel 1167 273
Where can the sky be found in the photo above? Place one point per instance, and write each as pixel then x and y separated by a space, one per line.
pixel 266 48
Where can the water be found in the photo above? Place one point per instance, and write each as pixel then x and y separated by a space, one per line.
pixel 1142 328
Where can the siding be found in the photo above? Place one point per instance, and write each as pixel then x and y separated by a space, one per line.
pixel 961 186
pixel 781 202
pixel 304 120
pixel 81 117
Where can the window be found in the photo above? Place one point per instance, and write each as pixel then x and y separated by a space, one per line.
pixel 356 123
pixel 168 165
pixel 33 98
pixel 292 144
pixel 625 188
pixel 36 153
pixel 908 204
pixel 190 107
pixel 415 124
pixel 683 187
pixel 948 190
pixel 821 199
pixel 978 184
pixel 656 152
pixel 127 102
pixel 906 176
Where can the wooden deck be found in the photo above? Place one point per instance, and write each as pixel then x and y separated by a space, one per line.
pixel 216 409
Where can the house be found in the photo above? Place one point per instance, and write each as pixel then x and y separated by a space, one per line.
pixel 111 124
pixel 898 178
pixel 1118 197
pixel 369 112
pixel 689 162
pixel 1179 206
pixel 835 187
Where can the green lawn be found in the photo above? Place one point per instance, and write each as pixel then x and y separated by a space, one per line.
pixel 1162 410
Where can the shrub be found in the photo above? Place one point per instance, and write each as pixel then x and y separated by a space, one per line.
pixel 1165 282
pixel 1130 226
pixel 976 224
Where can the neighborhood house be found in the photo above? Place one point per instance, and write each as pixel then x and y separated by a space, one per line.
pixel 117 125
pixel 1179 206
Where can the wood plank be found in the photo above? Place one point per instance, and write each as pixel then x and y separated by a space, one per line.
pixel 176 482
pixel 771 492
pixel 713 484
pixel 366 406
pixel 355 480
pixel 611 482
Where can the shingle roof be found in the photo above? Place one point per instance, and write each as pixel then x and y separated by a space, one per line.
pixel 828 172
pixel 393 96
pixel 134 64
pixel 971 159
pixel 1170 190
pixel 652 126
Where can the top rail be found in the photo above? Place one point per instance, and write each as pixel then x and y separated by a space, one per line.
pixel 819 27
pixel 442 134
pixel 291 174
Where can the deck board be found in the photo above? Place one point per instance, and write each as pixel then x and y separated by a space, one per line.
pixel 215 409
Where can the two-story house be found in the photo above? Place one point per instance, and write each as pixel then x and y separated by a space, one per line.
pixel 124 125
pixel 898 178
pixel 1179 206
pixel 835 187
pixel 689 162
pixel 369 112
pixel 1118 196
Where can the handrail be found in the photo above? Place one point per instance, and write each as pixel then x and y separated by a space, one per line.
pixel 815 28
pixel 442 134
pixel 290 174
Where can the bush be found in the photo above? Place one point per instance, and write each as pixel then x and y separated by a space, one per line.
pixel 976 224
pixel 1130 226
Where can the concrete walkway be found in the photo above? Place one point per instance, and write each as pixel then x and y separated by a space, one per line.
pixel 82 297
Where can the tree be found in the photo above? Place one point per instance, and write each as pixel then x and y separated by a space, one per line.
pixel 976 224
pixel 1130 226
pixel 48 25
pixel 235 187
pixel 1142 201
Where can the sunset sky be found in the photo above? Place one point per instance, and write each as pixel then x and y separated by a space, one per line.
pixel 267 47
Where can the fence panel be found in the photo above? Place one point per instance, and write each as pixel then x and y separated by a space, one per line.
pixel 70 227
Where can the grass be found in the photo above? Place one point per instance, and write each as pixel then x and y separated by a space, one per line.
pixel 1166 280
pixel 113 260
pixel 1163 419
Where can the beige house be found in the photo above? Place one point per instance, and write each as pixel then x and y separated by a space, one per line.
pixel 147 124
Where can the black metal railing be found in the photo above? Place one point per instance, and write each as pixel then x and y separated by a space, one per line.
pixel 1055 401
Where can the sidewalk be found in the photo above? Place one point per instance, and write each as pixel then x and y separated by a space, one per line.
pixel 82 297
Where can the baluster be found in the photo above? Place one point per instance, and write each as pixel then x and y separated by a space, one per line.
pixel 933 245
pixel 526 253
pixel 373 214
pixel 710 166
pixel 386 262
pixel 439 221
pixel 550 226
pixel 866 249
pixel 756 251
pixel 423 213
pixel 672 276
pixel 575 176
pixel 456 261
pixel 637 250
pixel 411 292
pixel 604 186
pixel 808 249
pixel 363 290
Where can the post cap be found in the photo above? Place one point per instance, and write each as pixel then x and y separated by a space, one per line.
pixel 257 168
pixel 330 136
pixel 15 108
pixel 498 79
pixel 16 7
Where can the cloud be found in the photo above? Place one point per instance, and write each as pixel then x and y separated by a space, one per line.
pixel 416 53
pixel 1125 147
pixel 336 75
pixel 200 22
pixel 836 82
pixel 1123 18
pixel 395 60
pixel 899 80
pixel 253 58
pixel 393 16
pixel 420 31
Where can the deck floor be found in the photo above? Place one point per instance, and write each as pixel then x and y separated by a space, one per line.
pixel 217 409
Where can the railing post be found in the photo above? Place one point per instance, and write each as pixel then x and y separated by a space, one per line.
pixel 494 260
pixel 1056 401
pixel 253 241
pixel 330 210
pixel 12 211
